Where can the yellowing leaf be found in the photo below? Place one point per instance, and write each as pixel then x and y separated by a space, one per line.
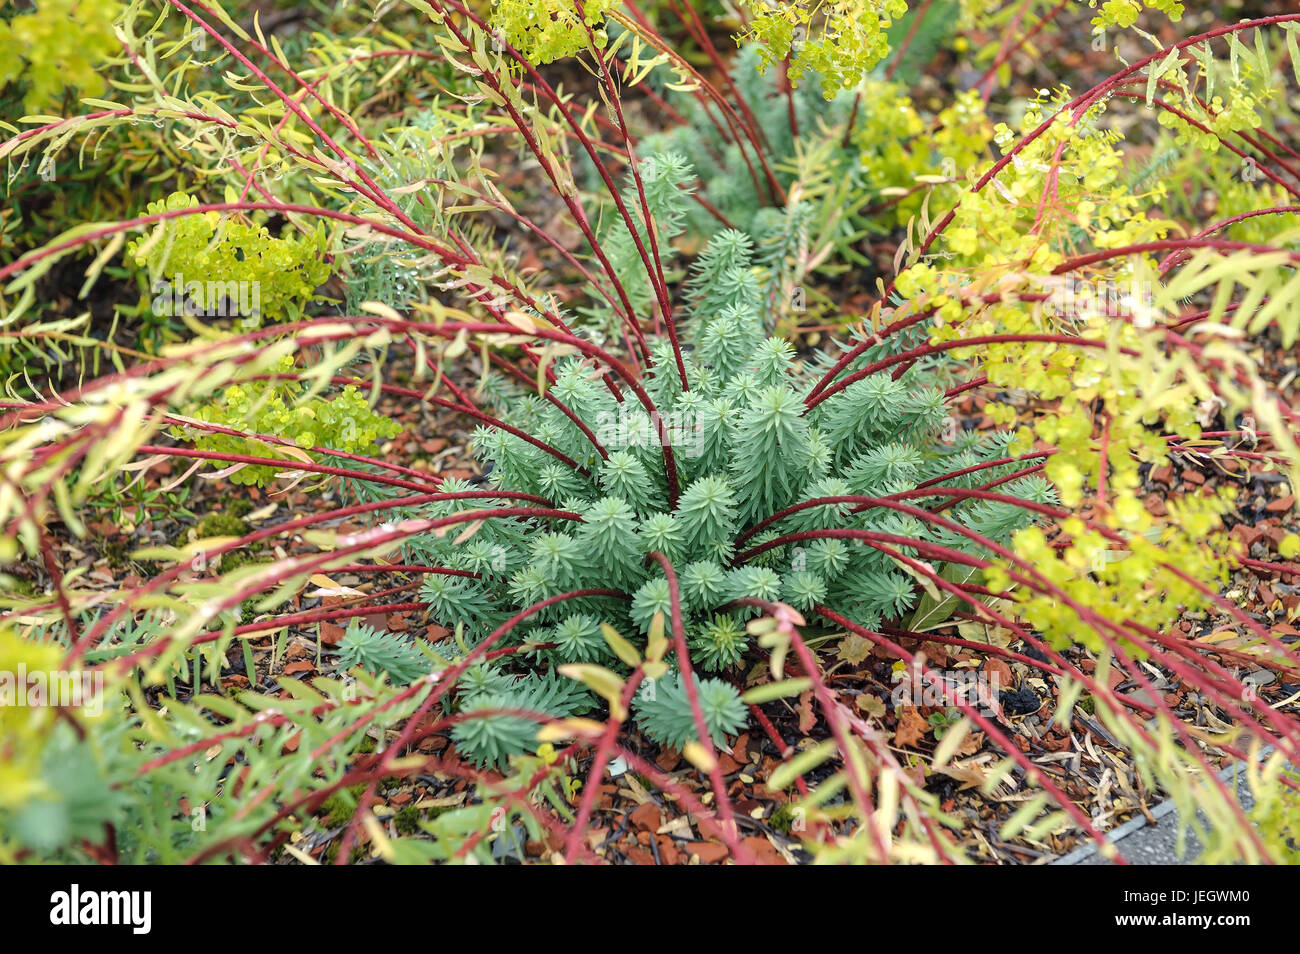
pixel 785 774
pixel 657 643
pixel 520 321
pixel 776 690
pixel 601 681
pixel 697 755
pixel 622 648
pixel 572 728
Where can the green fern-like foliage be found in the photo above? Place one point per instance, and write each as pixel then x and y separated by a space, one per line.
pixel 864 162
pixel 380 652
pixel 720 642
pixel 78 798
pixel 745 447
pixel 491 739
pixel 661 177
pixel 663 710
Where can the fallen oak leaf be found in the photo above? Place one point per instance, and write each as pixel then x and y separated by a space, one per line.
pixel 971 773
pixel 807 716
pixel 911 727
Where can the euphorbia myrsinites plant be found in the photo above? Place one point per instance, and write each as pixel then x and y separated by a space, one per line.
pixel 498 398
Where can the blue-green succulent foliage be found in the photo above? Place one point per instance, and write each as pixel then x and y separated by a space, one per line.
pixel 745 446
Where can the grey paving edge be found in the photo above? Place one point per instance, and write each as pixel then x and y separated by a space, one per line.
pixel 1145 843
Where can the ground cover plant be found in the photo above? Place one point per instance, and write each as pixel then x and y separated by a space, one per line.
pixel 651 433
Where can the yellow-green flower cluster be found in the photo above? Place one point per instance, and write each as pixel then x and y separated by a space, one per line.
pixel 1105 408
pixel 1136 583
pixel 1064 181
pixel 58 45
pixel 23 728
pixel 840 40
pixel 1220 117
pixel 206 256
pixel 895 148
pixel 342 423
pixel 1124 13
pixel 1113 13
pixel 549 30
pixel 1237 196
pixel 1277 816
